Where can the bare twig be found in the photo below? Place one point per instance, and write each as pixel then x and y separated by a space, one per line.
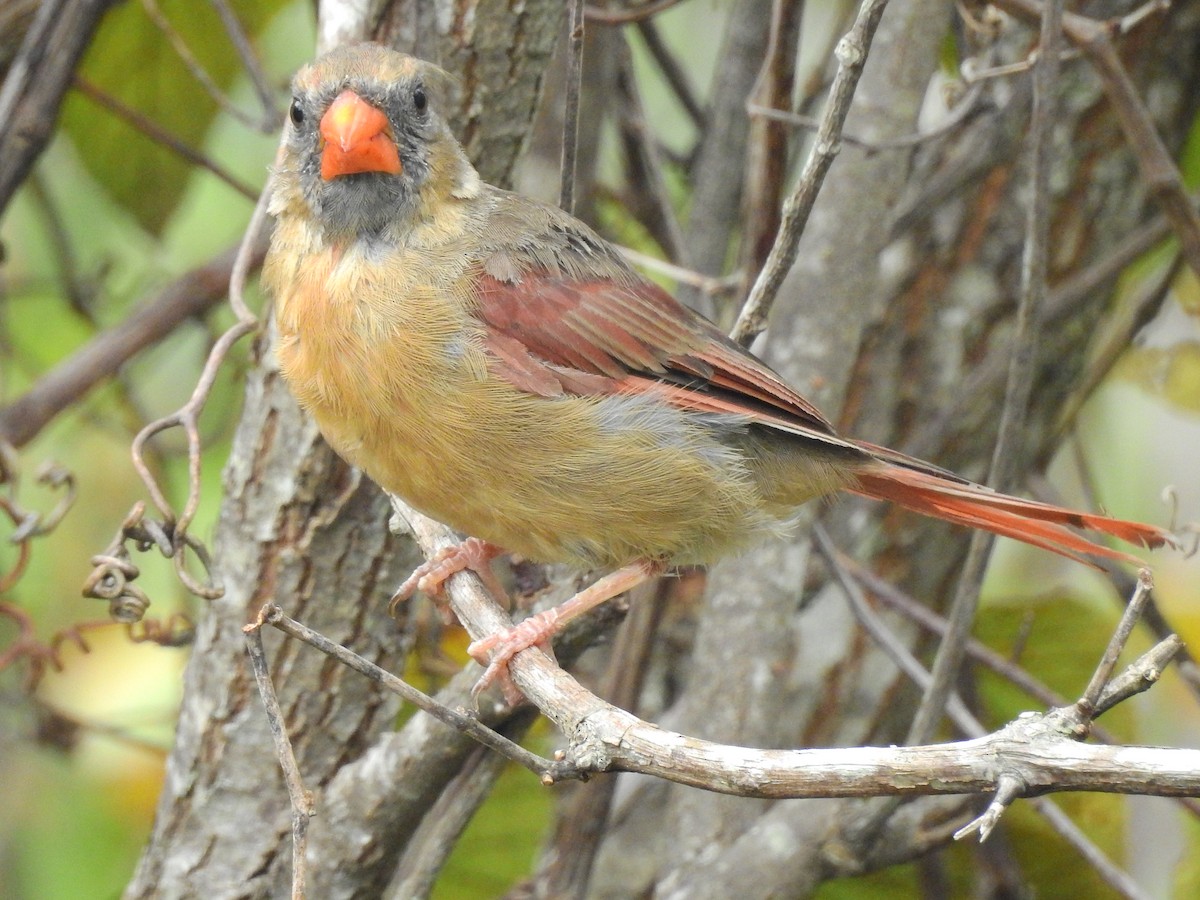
pixel 580 829
pixel 674 74
pixel 1100 678
pixel 548 771
pixel 1141 675
pixel 36 81
pixel 1113 875
pixel 1008 450
pixel 768 142
pixel 265 124
pixel 851 55
pixel 706 284
pixel 647 185
pixel 574 85
pixel 887 640
pixel 441 827
pixel 1061 304
pixel 301 798
pixel 161 136
pixel 1008 789
pixel 237 36
pixel 961 112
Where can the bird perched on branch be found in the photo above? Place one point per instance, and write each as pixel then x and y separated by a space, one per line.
pixel 498 365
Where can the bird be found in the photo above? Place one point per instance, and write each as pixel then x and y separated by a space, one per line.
pixel 498 365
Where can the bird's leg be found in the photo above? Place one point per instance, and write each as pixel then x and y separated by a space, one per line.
pixel 540 627
pixel 429 578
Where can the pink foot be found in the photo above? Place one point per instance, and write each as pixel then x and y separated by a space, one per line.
pixel 494 651
pixel 537 630
pixel 430 577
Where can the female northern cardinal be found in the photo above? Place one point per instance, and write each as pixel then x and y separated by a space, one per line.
pixel 498 365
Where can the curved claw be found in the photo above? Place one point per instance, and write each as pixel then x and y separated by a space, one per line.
pixel 494 652
pixel 430 577
pixel 537 630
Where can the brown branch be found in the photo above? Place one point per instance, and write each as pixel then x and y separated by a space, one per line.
pixel 245 51
pixel 768 144
pixel 190 295
pixel 36 82
pixel 161 136
pixel 647 193
pixel 673 73
pixel 301 798
pixel 580 830
pixel 547 770
pixel 265 125
pixel 961 113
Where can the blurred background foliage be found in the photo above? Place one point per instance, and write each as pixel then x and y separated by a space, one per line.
pixel 110 216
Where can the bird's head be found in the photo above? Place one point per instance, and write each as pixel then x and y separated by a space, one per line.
pixel 366 150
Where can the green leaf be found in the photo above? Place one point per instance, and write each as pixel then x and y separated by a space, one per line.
pixel 132 61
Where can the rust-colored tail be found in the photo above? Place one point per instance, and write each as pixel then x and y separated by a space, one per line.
pixel 969 504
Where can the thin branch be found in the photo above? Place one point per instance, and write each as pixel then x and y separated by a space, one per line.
pixel 573 86
pixel 444 823
pixel 672 72
pixel 1061 304
pixel 851 54
pixel 1140 676
pixel 161 136
pixel 647 190
pixel 962 111
pixel 706 284
pixel 301 798
pixel 885 638
pixel 1115 877
pixel 548 771
pixel 245 51
pixel 1007 453
pixel 580 829
pixel 265 125
pixel 36 81
pixel 768 142
pixel 190 295
pixel 1133 611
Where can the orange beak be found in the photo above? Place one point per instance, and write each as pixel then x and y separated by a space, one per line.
pixel 357 139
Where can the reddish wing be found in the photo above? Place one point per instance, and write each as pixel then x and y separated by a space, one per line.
pixel 550 335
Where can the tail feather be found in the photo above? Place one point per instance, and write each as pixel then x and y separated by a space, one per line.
pixel 1040 524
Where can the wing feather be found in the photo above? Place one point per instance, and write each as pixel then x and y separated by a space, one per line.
pixel 635 337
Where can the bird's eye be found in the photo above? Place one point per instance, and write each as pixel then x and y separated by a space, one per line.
pixel 296 113
pixel 420 101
